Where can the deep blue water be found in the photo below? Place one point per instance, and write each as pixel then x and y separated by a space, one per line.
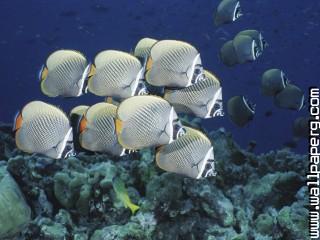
pixel 32 29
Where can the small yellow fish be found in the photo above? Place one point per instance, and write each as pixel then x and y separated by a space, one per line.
pixel 122 194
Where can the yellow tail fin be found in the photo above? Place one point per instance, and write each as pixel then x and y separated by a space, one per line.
pixel 133 208
pixel 118 126
pixel 149 64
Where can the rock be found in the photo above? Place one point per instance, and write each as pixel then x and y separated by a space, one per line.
pixel 294 222
pixel 164 188
pixel 15 213
pixel 146 168
pixel 263 237
pixel 7 142
pixel 43 206
pixel 147 223
pixel 243 219
pixel 218 233
pixel 67 188
pixel 240 237
pixel 274 189
pixel 120 232
pixel 60 227
pixel 53 231
pixel 232 163
pixel 80 236
pixel 264 224
pixel 76 188
pixel 64 218
pixel 282 161
pixel 302 196
pixel 182 227
pixel 213 202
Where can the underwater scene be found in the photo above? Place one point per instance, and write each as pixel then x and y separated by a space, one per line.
pixel 169 120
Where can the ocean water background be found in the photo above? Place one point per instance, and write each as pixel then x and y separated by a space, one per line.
pixel 31 30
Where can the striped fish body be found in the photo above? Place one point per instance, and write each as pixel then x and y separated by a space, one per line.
pixel 117 74
pixel 203 99
pixel 190 155
pixel 42 128
pixel 67 71
pixel 173 64
pixel 97 129
pixel 146 121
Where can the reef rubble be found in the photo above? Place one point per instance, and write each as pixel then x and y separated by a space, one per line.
pixel 258 197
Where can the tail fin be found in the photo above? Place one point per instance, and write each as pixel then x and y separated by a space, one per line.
pixel 133 208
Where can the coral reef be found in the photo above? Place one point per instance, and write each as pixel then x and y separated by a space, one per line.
pixel 252 197
pixel 14 211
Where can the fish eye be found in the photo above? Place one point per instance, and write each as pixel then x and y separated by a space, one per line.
pixel 209 170
pixel 141 89
pixel 68 152
pixel 178 131
pixel 197 71
pixel 215 109
pixel 177 128
pixel 197 74
pixel 216 106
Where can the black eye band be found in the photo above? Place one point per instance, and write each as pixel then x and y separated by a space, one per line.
pixel 68 150
pixel 197 74
pixel 209 169
pixel 141 89
pixel 178 129
pixel 215 108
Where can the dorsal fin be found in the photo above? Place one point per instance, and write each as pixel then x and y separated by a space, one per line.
pixel 17 124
